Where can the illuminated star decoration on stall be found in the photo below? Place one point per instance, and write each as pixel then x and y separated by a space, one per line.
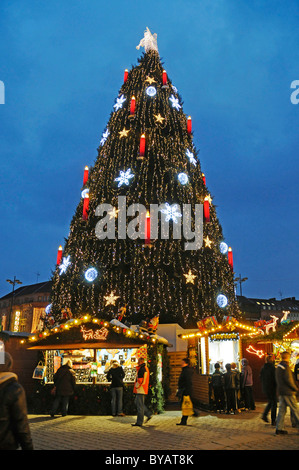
pixel 190 277
pixel 104 137
pixel 64 265
pixel 171 212
pixel 190 155
pixel 119 102
pixel 111 298
pixel 124 133
pixel 175 102
pixel 124 177
pixel 208 198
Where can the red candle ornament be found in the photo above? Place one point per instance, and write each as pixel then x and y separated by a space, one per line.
pixel 142 146
pixel 189 125
pixel 230 258
pixel 126 75
pixel 164 77
pixel 133 105
pixel 59 255
pixel 85 206
pixel 204 178
pixel 85 176
pixel 147 228
pixel 206 209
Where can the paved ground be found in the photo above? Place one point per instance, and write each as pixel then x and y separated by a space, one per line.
pixel 210 431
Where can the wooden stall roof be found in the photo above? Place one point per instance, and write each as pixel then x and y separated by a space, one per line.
pixel 92 334
pixel 293 332
pixel 284 332
pixel 229 326
pixel 101 345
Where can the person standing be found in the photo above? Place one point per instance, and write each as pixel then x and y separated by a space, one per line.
pixel 268 381
pixel 218 388
pixel 236 372
pixel 230 389
pixel 286 389
pixel 141 390
pixel 185 390
pixel 65 383
pixel 14 425
pixel 246 385
pixel 116 376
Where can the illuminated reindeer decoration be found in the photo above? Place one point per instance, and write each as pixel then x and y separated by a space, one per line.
pixel 264 327
pixel 97 334
pixel 271 324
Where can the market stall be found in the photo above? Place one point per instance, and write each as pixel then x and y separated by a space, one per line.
pixel 92 344
pixel 213 343
pixel 284 336
pixel 230 341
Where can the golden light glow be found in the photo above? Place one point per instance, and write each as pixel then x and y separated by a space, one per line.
pixel 150 80
pixel 159 118
pixel 190 277
pixel 111 298
pixel 208 242
pixel 252 330
pixel 124 133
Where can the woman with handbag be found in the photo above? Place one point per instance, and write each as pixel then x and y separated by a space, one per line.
pixel 184 392
pixel 64 387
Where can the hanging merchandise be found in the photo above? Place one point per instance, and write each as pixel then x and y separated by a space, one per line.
pixel 39 371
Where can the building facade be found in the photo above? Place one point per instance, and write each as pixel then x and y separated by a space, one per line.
pixel 255 309
pixel 21 310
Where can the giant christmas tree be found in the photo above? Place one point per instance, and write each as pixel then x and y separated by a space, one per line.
pixel 145 156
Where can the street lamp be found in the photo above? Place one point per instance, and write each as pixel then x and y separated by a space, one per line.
pixel 240 280
pixel 13 282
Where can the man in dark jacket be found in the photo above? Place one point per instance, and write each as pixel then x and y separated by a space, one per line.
pixel 268 382
pixel 65 382
pixel 116 376
pixel 230 387
pixel 185 386
pixel 286 389
pixel 218 388
pixel 14 426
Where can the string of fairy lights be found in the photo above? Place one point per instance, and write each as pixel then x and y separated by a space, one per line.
pixel 149 279
pixel 235 325
pixel 86 320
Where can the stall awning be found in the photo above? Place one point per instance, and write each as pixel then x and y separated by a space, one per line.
pixel 92 334
pixel 210 326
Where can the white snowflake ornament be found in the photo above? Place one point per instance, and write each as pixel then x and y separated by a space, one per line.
pixel 191 157
pixel 124 177
pixel 64 264
pixel 175 102
pixel 171 212
pixel 104 137
pixel 119 102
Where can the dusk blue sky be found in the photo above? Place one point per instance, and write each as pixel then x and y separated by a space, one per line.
pixel 62 63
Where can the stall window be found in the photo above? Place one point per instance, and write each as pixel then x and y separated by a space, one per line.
pixel 224 352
